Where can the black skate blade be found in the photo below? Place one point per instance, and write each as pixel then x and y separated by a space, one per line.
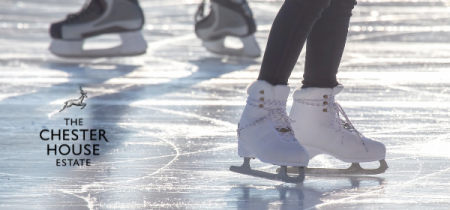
pixel 354 169
pixel 280 176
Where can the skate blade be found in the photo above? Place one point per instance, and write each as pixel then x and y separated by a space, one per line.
pixel 133 43
pixel 280 176
pixel 250 47
pixel 354 169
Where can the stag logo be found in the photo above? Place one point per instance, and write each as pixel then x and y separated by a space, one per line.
pixel 76 102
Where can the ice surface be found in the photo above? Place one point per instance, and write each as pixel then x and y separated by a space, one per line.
pixel 171 114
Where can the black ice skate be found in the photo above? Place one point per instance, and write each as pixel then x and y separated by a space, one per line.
pixel 98 17
pixel 227 18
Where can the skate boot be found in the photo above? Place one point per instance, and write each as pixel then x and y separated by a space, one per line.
pixel 264 132
pixel 227 18
pixel 124 17
pixel 324 128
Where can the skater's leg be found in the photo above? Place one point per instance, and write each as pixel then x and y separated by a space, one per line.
pixel 326 43
pixel 287 37
pixel 264 131
pixel 322 123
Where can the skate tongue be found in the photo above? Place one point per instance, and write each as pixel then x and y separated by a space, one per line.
pixel 87 8
pixel 200 14
pixel 337 89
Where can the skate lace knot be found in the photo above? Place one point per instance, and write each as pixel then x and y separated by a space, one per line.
pixel 340 120
pixel 278 116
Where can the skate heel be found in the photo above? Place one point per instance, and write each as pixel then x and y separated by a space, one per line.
pixel 65 48
pixel 215 46
pixel 244 150
pixel 133 43
pixel 251 47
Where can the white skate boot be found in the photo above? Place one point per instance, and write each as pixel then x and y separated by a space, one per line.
pixel 124 17
pixel 321 130
pixel 264 132
pixel 227 18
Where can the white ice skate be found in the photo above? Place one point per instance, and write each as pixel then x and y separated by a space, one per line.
pixel 123 17
pixel 264 132
pixel 321 130
pixel 227 18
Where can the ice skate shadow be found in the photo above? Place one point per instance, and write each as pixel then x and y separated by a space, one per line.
pixel 208 68
pixel 80 74
pixel 106 110
pixel 106 113
pixel 301 196
pixel 88 74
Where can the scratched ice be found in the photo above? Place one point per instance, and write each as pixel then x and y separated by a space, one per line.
pixel 171 114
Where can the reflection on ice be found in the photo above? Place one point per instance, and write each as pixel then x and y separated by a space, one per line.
pixel 300 196
pixel 171 114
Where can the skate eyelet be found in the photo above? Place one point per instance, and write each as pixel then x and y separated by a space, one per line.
pixel 325 103
pixel 262 91
pixel 324 110
pixel 346 126
pixel 261 106
pixel 261 99
pixel 325 96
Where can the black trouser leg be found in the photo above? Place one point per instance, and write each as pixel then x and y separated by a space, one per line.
pixel 289 31
pixel 326 43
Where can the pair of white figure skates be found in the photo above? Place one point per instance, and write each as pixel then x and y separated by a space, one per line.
pixel 321 126
pixel 125 17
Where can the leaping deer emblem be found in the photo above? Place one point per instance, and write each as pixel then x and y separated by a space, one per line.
pixel 76 102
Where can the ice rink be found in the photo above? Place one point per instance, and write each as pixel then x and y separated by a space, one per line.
pixel 171 115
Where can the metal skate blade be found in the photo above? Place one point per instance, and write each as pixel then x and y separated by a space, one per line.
pixel 248 46
pixel 231 42
pixel 354 169
pixel 132 43
pixel 280 176
pixel 100 42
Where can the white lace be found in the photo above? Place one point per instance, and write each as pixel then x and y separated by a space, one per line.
pixel 277 115
pixel 338 124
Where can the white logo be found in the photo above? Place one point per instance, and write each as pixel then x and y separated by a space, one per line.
pixel 76 102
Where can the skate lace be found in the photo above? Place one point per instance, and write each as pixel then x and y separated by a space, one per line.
pixel 278 116
pixel 338 123
pixel 87 9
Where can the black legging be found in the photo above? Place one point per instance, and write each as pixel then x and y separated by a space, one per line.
pixel 325 24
